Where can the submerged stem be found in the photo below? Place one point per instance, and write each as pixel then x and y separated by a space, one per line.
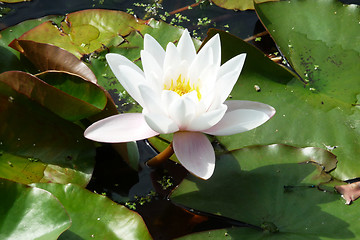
pixel 161 157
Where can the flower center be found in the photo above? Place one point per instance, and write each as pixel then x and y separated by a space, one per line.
pixel 182 86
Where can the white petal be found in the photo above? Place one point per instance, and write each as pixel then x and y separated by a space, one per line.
pixel 129 75
pixel 120 128
pixel 243 104
pixel 172 57
pixel 131 80
pixel 201 62
pixel 229 74
pixel 116 60
pixel 195 153
pixel 241 116
pixel 186 47
pixel 182 110
pixel 207 79
pixel 152 100
pixel 154 48
pixel 168 97
pixel 160 123
pixel 215 46
pixel 152 70
pixel 207 119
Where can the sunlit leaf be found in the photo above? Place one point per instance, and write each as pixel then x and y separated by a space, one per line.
pixel 304 117
pixel 96 216
pixel 30 213
pixel 322 44
pixel 87 31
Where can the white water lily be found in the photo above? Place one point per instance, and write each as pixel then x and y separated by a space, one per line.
pixel 181 92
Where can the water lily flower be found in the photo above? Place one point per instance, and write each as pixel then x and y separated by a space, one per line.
pixel 181 92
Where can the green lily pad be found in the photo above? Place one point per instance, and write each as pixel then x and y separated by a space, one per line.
pixel 30 213
pixel 32 137
pixel 96 216
pixel 321 42
pixel 304 117
pixel 87 31
pixel 277 189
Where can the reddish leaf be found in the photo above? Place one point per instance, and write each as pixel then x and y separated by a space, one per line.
pixel 49 57
pixel 349 192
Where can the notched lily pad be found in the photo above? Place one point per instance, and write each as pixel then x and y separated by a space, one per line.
pixel 87 31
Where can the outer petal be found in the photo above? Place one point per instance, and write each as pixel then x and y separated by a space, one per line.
pixel 241 116
pixel 129 75
pixel 120 128
pixel 160 123
pixel 186 47
pixel 154 48
pixel 228 75
pixel 195 153
pixel 116 60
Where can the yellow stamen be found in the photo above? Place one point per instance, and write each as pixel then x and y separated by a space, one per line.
pixel 182 86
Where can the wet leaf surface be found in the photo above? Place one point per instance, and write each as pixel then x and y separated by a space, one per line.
pixel 30 213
